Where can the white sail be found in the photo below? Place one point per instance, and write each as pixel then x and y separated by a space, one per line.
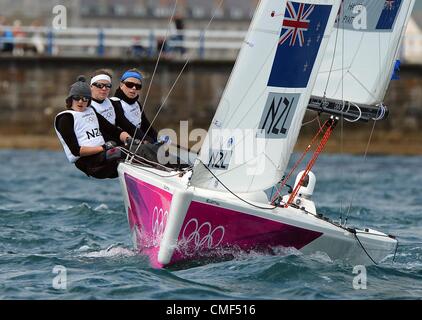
pixel 360 57
pixel 259 117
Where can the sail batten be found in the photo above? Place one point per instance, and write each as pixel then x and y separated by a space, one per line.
pixel 257 122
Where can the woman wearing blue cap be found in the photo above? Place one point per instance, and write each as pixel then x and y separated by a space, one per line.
pixel 129 111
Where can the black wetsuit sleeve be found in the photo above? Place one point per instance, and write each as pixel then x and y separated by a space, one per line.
pixel 65 125
pixel 145 124
pixel 108 130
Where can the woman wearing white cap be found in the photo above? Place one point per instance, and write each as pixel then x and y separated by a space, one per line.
pixel 101 83
pixel 100 90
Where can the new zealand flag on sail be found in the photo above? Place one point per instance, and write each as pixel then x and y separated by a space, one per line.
pixel 379 15
pixel 303 27
pixel 389 14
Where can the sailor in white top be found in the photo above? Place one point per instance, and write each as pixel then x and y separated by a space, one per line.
pixel 81 131
pixel 100 90
pixel 129 112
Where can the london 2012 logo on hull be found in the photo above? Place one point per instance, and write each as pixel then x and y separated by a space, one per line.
pixel 196 236
pixel 159 221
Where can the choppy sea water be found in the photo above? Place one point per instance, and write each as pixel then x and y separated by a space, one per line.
pixel 55 219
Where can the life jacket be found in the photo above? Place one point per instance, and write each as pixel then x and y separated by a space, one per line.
pixel 105 109
pixel 86 128
pixel 132 112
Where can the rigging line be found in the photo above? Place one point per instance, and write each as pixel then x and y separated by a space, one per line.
pixel 138 163
pixel 272 163
pixel 355 232
pixel 398 45
pixel 335 50
pixel 164 102
pixel 286 179
pixel 133 160
pixel 403 30
pixel 360 173
pixel 349 66
pixel 244 137
pixel 244 97
pixel 143 161
pixel 342 116
pixel 134 155
pixel 252 82
pixel 319 122
pixel 355 56
pixel 366 151
pixel 222 174
pixel 395 251
pixel 248 90
pixel 245 201
pixel 331 123
pixel 362 85
pixel 140 159
pixel 341 153
pixel 179 75
pixel 364 249
pixel 260 70
pixel 310 121
pixel 247 112
pixel 379 58
pixel 373 127
pixel 155 69
pixel 330 71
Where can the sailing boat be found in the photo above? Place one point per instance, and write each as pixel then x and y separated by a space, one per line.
pixel 289 61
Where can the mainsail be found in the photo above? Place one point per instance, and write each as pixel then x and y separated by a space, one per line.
pixel 259 117
pixel 361 53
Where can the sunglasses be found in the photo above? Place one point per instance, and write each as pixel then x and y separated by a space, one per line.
pixel 78 98
pixel 102 85
pixel 130 85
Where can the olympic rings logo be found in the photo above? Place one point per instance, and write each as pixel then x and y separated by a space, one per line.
pixel 203 236
pixel 159 220
pixel 90 119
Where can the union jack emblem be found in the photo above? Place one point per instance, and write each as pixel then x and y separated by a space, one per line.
pixel 389 4
pixel 296 23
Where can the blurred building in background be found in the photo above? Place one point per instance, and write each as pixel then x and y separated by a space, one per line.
pixel 412 44
pixel 127 33
pixel 116 28
pixel 228 14
pixel 134 13
pixel 137 13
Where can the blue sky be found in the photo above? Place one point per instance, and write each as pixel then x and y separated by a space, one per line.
pixel 418 5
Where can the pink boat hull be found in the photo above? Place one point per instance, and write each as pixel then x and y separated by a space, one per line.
pixel 207 230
